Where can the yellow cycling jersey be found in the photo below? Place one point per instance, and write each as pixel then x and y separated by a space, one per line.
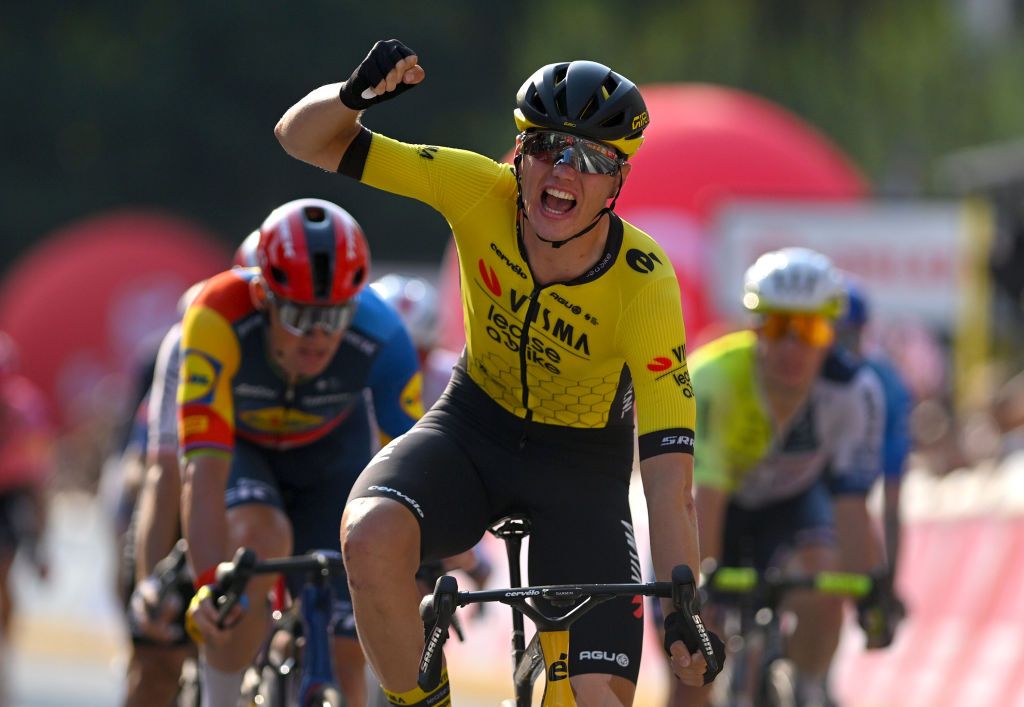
pixel 567 353
pixel 836 433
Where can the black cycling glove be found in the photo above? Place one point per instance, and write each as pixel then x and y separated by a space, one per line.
pixel 677 628
pixel 384 56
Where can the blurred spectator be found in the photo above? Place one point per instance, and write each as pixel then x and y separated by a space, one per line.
pixel 26 465
pixel 416 300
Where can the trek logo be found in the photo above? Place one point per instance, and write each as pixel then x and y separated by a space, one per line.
pixel 642 262
pixel 501 330
pixel 427 153
pixel 641 120
pixel 620 658
pixel 559 669
pixel 490 278
pixel 514 267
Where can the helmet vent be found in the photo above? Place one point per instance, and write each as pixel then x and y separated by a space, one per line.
pixel 614 121
pixel 537 104
pixel 316 214
pixel 321 275
pixel 560 103
pixel 279 275
pixel 358 278
pixel 588 110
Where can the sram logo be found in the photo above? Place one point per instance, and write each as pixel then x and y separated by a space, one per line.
pixel 683 440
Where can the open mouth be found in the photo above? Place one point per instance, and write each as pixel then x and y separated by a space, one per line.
pixel 557 202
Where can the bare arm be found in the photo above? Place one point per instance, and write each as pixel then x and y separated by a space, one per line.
pixel 157 523
pixel 203 517
pixel 711 504
pixel 319 128
pixel 668 487
pixel 859 546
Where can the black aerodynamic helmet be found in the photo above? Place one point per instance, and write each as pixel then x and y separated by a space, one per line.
pixel 587 99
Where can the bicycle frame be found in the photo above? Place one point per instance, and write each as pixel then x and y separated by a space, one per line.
pixel 315 606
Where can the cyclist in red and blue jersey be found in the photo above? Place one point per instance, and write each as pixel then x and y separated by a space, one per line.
pixel 282 369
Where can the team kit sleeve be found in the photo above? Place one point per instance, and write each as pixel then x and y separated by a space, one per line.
pixel 209 360
pixel 653 339
pixel 450 180
pixel 897 426
pixel 710 466
pixel 162 411
pixel 397 386
pixel 857 460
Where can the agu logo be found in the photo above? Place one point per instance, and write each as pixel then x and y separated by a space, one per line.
pixel 199 374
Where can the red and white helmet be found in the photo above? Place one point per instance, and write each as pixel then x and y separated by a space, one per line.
pixel 312 251
pixel 246 255
pixel 416 302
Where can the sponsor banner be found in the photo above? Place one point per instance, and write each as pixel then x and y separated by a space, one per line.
pixel 916 258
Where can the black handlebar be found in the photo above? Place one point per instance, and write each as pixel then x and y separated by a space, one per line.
pixel 233 577
pixel 437 610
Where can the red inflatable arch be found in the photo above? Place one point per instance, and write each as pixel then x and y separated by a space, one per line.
pixel 89 299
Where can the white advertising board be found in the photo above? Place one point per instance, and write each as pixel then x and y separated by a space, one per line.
pixel 914 258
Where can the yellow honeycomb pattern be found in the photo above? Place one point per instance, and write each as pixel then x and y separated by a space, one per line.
pixel 555 400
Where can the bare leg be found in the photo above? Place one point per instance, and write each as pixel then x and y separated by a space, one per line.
pixel 380 541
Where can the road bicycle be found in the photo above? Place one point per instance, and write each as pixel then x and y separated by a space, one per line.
pixel 293 667
pixel 758 674
pixel 548 651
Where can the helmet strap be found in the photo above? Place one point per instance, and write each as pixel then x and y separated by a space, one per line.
pixel 558 244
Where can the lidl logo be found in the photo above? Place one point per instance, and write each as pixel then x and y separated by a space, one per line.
pixel 199 374
pixel 412 397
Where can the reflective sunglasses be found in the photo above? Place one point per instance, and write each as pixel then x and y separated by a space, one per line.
pixel 811 329
pixel 585 156
pixel 302 319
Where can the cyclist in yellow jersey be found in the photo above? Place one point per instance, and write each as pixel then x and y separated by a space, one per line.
pixel 568 311
pixel 789 440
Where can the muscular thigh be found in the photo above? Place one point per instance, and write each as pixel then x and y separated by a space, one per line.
pixel 430 473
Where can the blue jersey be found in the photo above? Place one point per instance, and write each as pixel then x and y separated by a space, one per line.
pixel 896 445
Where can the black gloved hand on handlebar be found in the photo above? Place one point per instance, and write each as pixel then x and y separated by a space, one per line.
pixel 383 57
pixel 677 628
pixel 880 613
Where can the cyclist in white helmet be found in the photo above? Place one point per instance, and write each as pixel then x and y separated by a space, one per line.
pixel 789 433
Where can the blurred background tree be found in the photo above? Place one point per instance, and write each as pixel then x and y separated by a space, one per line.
pixel 172 104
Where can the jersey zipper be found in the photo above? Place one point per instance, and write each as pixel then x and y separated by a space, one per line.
pixel 531 314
